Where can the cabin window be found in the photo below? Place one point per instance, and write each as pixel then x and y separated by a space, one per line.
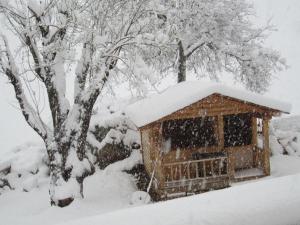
pixel 237 130
pixel 190 133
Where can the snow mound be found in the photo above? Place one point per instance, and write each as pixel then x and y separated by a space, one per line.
pixel 274 201
pixel 185 93
pixel 24 168
pixel 140 198
pixel 285 136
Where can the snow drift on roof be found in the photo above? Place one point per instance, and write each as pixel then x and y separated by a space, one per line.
pixel 186 93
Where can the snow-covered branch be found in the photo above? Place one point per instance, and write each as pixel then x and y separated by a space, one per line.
pixel 10 69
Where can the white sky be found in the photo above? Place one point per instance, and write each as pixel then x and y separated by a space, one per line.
pixel 285 15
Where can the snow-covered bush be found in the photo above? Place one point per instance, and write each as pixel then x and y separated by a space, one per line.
pixel 285 136
pixel 112 136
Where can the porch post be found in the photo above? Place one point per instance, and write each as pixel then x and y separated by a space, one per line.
pixel 254 142
pixel 221 132
pixel 266 147
pixel 230 163
pixel 159 167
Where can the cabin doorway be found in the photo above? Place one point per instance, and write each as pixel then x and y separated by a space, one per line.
pixel 238 137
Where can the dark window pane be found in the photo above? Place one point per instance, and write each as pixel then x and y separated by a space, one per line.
pixel 237 130
pixel 188 133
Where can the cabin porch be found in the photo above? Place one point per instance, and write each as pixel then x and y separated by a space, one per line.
pixel 216 165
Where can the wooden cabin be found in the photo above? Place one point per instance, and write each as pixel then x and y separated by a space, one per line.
pixel 201 136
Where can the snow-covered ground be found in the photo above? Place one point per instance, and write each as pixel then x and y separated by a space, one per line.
pixel 273 201
pixel 104 192
pixel 270 200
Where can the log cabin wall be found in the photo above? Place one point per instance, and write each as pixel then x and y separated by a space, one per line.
pixel 151 146
pixel 146 149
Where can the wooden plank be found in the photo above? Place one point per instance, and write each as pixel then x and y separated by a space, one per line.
pixel 254 142
pixel 180 172
pixel 204 169
pixel 216 104
pixel 266 148
pixel 194 161
pixel 188 171
pixel 254 131
pixel 231 163
pixel 197 170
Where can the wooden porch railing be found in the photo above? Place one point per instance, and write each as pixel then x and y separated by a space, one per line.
pixel 195 169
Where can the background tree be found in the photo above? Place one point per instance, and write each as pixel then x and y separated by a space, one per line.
pixel 210 36
pixel 52 33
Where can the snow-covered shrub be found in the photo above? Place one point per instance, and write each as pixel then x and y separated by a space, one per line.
pixel 285 136
pixel 24 168
pixel 112 136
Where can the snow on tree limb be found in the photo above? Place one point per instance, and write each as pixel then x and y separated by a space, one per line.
pixel 10 69
pixel 212 36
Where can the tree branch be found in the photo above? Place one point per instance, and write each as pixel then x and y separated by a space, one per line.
pixel 81 72
pixel 31 116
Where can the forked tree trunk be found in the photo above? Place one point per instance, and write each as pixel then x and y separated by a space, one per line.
pixel 69 166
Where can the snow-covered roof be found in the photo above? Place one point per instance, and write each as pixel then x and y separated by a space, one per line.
pixel 186 93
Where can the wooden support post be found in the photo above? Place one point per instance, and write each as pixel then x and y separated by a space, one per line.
pixel 160 169
pixel 197 169
pixel 254 131
pixel 219 167
pixel 254 142
pixel 231 164
pixel 266 147
pixel 180 172
pixel 221 132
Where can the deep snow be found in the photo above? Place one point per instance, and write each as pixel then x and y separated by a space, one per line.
pixel 111 190
pixel 273 201
pixel 270 200
pixel 185 93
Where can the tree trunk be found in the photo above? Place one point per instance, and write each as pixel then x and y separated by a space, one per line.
pixel 181 76
pixel 69 167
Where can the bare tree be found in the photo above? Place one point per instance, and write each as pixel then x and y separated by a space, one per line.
pixel 52 32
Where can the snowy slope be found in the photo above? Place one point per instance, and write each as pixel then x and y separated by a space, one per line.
pixel 274 201
pixel 185 93
pixel 110 190
pixel 104 192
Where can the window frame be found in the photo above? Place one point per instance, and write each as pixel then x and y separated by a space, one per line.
pixel 213 126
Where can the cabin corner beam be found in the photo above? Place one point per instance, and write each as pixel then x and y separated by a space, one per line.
pixel 266 146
